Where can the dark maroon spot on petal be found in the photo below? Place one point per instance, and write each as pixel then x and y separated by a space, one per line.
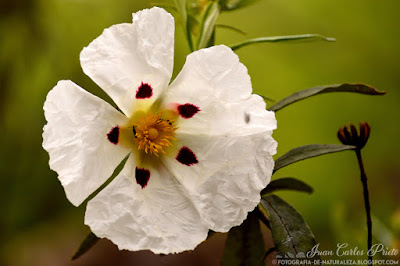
pixel 113 135
pixel 188 110
pixel 142 176
pixel 144 91
pixel 186 156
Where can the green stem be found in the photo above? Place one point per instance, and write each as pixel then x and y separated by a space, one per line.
pixel 366 201
pixel 189 37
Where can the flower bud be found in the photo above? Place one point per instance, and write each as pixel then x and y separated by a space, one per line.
pixel 348 135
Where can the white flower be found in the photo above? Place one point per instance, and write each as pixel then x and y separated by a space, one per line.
pixel 200 150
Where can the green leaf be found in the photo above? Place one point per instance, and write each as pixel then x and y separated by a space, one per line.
pixel 267 98
pixel 287 183
pixel 211 41
pixel 245 244
pixel 207 25
pixel 292 236
pixel 223 26
pixel 181 6
pixel 229 5
pixel 86 244
pixel 308 151
pixel 303 94
pixel 309 37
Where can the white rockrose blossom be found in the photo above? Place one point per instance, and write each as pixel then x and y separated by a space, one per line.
pixel 200 150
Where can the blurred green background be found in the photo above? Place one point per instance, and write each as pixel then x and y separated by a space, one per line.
pixel 40 44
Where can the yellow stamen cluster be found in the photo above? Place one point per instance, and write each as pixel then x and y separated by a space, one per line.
pixel 154 133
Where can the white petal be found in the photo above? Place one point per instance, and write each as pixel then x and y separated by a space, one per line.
pixel 231 171
pixel 125 55
pixel 230 137
pixel 158 217
pixel 76 139
pixel 216 82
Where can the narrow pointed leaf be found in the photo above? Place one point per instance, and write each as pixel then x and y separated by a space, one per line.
pixel 309 37
pixel 86 244
pixel 267 98
pixel 223 26
pixel 182 8
pixel 303 94
pixel 207 25
pixel 292 236
pixel 245 244
pixel 308 151
pixel 287 183
pixel 229 5
pixel 211 41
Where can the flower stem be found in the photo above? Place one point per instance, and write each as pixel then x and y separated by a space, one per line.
pixel 366 201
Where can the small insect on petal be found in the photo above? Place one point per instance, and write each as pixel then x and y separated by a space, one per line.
pixel 188 110
pixel 113 135
pixel 142 176
pixel 186 156
pixel 144 91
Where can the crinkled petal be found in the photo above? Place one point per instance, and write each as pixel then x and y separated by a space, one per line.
pixel 138 215
pixel 218 85
pixel 230 172
pixel 126 55
pixel 225 132
pixel 76 139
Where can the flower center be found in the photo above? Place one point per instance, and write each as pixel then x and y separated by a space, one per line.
pixel 153 133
